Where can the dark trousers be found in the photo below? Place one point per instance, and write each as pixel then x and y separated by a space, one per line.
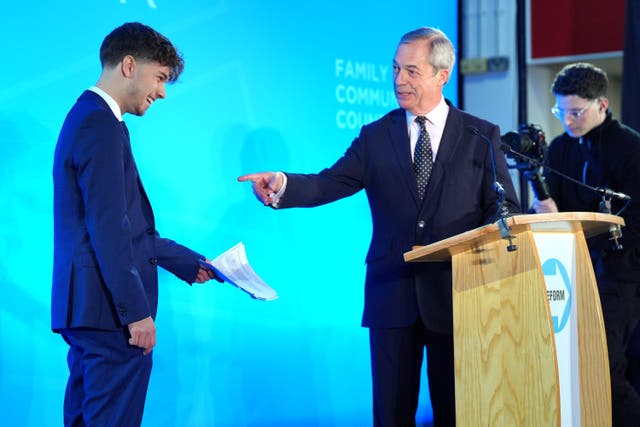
pixel 108 379
pixel 621 310
pixel 633 351
pixel 396 364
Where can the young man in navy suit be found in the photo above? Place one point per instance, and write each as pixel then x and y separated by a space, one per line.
pixel 409 306
pixel 106 247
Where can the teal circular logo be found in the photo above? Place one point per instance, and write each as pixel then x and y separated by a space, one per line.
pixel 558 292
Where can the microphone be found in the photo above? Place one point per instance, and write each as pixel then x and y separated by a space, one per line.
pixel 607 192
pixel 614 230
pixel 501 209
pixel 510 145
pixel 520 146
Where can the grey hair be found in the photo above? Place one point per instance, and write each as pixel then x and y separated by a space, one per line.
pixel 442 55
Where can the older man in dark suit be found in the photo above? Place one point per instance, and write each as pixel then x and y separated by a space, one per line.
pixel 427 172
pixel 106 247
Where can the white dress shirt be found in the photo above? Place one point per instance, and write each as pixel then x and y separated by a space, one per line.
pixel 436 120
pixel 109 100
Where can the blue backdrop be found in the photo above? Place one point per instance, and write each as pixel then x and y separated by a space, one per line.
pixel 267 86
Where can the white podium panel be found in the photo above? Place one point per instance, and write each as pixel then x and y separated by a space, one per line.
pixel 556 252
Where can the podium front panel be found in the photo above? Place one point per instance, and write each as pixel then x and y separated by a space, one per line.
pixel 557 258
pixel 505 361
pixel 511 312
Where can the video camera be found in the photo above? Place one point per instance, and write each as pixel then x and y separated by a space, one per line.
pixel 528 147
pixel 529 141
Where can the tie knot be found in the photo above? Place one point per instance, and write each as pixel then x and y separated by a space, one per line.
pixel 421 120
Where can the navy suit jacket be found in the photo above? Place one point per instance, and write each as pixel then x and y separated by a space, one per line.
pixel 460 196
pixel 106 247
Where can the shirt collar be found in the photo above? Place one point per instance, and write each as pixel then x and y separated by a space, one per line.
pixel 113 105
pixel 437 116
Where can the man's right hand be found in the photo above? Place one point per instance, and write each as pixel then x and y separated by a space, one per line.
pixel 143 334
pixel 265 185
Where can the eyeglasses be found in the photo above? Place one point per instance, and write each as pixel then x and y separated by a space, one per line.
pixel 574 114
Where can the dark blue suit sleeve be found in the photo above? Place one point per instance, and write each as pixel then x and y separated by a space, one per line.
pixel 344 178
pixel 177 259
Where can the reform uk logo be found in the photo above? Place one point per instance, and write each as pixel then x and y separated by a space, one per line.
pixel 558 292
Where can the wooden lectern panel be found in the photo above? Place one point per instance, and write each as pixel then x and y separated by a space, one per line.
pixel 504 345
pixel 505 350
pixel 595 402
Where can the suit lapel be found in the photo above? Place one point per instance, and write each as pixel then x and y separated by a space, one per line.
pixel 143 192
pixel 399 138
pixel 452 137
pixel 91 96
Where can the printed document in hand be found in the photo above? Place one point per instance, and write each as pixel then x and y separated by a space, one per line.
pixel 235 269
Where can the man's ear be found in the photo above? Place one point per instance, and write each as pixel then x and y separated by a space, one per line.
pixel 128 66
pixel 443 77
pixel 603 104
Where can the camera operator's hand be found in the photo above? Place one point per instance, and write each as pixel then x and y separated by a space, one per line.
pixel 544 206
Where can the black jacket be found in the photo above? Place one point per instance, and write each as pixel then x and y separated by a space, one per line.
pixel 612 154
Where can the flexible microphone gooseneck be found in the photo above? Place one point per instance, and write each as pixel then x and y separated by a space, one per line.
pixel 497 187
pixel 604 192
pixel 502 212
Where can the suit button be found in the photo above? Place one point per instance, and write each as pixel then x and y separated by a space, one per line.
pixel 421 224
pixel 153 261
pixel 122 309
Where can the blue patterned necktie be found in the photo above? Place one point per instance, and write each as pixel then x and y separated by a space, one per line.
pixel 422 157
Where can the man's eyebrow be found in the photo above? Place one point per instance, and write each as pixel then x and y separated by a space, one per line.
pixel 408 67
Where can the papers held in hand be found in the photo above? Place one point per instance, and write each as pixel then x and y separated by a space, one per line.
pixel 233 266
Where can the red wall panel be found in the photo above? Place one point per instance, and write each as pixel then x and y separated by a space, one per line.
pixel 576 27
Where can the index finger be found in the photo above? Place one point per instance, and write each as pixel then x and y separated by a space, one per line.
pixel 250 177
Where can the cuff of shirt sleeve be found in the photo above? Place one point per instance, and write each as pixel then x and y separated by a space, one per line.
pixel 277 196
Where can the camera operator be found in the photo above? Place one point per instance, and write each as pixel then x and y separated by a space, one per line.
pixel 601 152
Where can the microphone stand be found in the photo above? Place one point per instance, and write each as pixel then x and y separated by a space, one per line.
pixel 605 193
pixel 502 211
pixel 614 230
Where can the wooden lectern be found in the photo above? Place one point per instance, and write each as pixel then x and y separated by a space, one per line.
pixel 530 347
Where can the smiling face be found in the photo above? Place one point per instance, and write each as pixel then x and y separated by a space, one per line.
pixel 418 87
pixel 146 83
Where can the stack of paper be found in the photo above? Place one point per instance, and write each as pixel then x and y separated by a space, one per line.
pixel 233 267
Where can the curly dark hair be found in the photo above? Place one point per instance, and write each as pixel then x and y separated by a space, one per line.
pixel 143 43
pixel 582 79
